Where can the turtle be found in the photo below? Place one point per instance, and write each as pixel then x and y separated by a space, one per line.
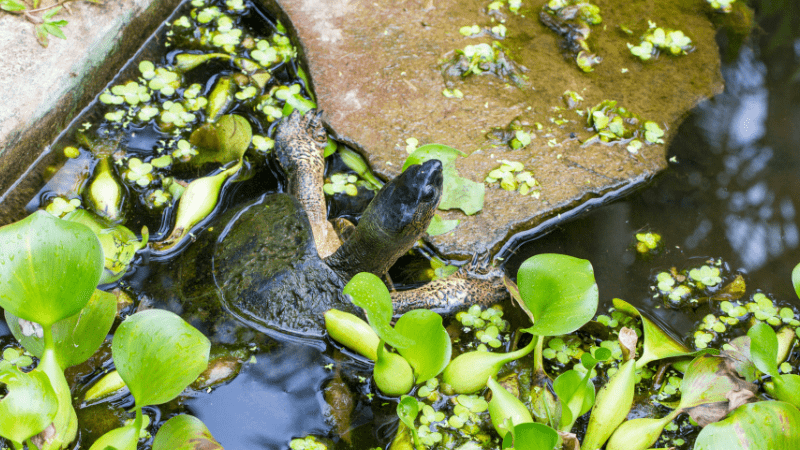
pixel 264 261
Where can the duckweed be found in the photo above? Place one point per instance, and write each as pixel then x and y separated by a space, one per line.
pixel 647 242
pixel 13 356
pixel 307 443
pixel 59 206
pixel 341 183
pixel 658 39
pixel 511 177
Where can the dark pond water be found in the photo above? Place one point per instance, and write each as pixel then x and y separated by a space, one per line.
pixel 732 192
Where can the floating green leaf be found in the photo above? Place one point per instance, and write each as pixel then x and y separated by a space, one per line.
pixel 431 351
pixel 352 332
pixel 785 387
pixel 764 348
pixel 469 372
pixel 754 426
pixel 49 268
pixel 796 280
pixel 368 292
pixel 531 436
pixel 504 406
pixel 440 226
pixel 77 337
pixel 29 406
pixel 392 373
pixel 123 438
pixel 708 387
pixel 185 432
pixel 221 142
pixel 158 355
pixel 558 291
pixel 457 192
pixel 407 411
pixel 657 343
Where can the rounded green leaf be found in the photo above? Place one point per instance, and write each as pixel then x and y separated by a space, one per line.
pixel 368 292
pixel 785 387
pixel 77 337
pixel 158 354
pixel 531 436
pixel 123 438
pixel 558 291
pixel 222 142
pixel 754 426
pixel 796 280
pixel 764 348
pixel 504 406
pixel 185 432
pixel 29 406
pixel 48 268
pixel 432 348
pixel 457 192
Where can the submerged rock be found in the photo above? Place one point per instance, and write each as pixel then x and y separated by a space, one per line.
pixel 386 71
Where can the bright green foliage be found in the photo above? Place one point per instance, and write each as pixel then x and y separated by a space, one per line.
pixel 222 142
pixel 469 372
pixel 158 355
pixel 35 252
pixel 755 426
pixel 407 411
pixel 77 337
pixel 441 226
pixel 558 293
pixel 123 438
pixel 392 373
pixel 458 193
pixel 764 348
pixel 796 279
pixel 506 410
pixel 29 406
pixel 185 432
pixel 531 436
pixel 431 351
pixel 368 291
pixel 352 332
pixel 50 26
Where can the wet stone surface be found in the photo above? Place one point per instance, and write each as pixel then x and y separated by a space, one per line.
pixel 380 70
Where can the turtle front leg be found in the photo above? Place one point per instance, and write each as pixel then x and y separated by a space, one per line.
pixel 299 144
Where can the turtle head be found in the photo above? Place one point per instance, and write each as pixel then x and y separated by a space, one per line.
pixel 404 207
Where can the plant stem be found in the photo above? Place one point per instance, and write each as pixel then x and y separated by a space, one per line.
pixel 137 423
pixel 31 446
pixel 538 361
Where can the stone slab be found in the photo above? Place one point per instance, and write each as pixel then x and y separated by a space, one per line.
pixel 43 89
pixel 376 68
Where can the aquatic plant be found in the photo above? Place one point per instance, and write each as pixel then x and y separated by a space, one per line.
pixel 51 268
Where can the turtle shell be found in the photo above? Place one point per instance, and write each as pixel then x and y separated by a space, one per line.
pixel 262 262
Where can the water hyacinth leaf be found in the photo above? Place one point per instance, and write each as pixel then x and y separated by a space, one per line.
pixel 576 393
pixel 755 426
pixel 185 432
pixel 457 192
pixel 367 291
pixel 157 354
pixel 431 351
pixel 392 373
pixel 612 406
pixel 352 332
pixel 657 343
pixel 786 388
pixel 531 436
pixel 639 434
pixel 796 280
pixel 123 438
pixel 35 252
pixel 221 142
pixel 738 354
pixel 708 387
pixel 77 337
pixel 441 226
pixel 28 407
pixel 407 411
pixel 558 291
pixel 764 348
pixel 469 372
pixel 118 242
pixel 505 409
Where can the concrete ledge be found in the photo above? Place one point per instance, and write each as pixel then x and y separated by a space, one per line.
pixel 43 89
